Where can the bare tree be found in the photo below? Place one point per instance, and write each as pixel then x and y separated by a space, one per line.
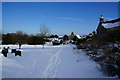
pixel 21 37
pixel 44 31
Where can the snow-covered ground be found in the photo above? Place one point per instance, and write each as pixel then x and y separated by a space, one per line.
pixel 60 61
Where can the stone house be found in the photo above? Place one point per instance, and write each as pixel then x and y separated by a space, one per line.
pixel 101 29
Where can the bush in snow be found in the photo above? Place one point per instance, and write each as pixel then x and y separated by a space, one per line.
pixel 108 56
pixel 105 50
pixel 34 40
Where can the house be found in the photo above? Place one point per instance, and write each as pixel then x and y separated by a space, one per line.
pixel 78 36
pixel 56 41
pixel 52 37
pixel 60 37
pixel 101 29
pixel 72 36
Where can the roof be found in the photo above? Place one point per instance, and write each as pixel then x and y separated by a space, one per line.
pixel 79 37
pixel 110 25
pixel 60 36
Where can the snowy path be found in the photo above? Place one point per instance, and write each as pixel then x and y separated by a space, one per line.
pixel 50 71
pixel 52 62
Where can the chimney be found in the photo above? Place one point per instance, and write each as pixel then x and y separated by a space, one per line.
pixel 101 19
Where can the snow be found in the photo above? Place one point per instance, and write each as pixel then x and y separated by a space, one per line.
pixel 78 36
pixel 110 25
pixel 60 61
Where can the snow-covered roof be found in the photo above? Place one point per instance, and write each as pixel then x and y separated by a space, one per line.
pixel 110 25
pixel 78 36
pixel 56 39
pixel 60 36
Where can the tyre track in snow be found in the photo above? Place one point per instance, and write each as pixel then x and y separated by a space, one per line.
pixel 50 70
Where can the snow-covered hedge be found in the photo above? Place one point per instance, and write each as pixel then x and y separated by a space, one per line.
pixel 107 55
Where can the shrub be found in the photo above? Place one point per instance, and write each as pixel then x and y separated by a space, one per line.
pixel 35 40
